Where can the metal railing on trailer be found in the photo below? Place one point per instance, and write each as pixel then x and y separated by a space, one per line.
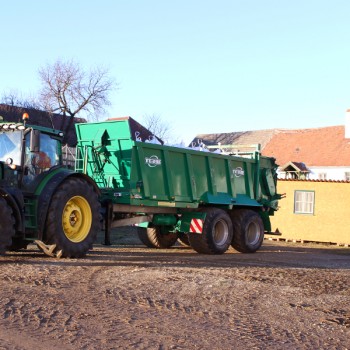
pixel 68 156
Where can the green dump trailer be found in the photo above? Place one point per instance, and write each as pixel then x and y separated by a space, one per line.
pixel 209 201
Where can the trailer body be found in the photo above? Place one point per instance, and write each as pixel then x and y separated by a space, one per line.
pixel 172 187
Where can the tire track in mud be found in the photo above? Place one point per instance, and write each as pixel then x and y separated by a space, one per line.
pixel 250 317
pixel 32 311
pixel 115 299
pixel 149 309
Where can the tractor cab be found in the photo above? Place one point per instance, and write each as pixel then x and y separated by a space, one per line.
pixel 26 152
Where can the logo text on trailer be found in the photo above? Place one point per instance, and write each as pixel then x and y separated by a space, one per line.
pixel 238 172
pixel 153 161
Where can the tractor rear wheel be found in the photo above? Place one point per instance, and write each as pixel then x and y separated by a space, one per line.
pixel 216 236
pixel 73 219
pixel 248 230
pixel 153 237
pixel 7 226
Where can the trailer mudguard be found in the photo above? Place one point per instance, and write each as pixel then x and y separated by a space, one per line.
pixel 192 222
pixel 264 214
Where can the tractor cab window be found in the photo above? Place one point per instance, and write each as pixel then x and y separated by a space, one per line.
pixel 44 159
pixel 10 146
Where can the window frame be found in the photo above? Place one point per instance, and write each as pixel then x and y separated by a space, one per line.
pixel 304 203
pixel 322 176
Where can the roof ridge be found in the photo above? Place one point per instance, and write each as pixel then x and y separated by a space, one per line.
pixel 310 129
pixel 274 130
pixel 314 180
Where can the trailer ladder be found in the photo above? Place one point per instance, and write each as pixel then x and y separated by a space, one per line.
pixel 88 161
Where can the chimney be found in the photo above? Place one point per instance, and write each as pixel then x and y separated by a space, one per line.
pixel 347 124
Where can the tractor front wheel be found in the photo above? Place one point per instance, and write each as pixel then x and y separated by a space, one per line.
pixel 73 219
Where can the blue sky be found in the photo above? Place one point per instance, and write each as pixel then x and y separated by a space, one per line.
pixel 204 66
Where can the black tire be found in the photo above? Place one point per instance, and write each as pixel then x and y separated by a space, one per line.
pixel 153 237
pixel 7 226
pixel 248 230
pixel 73 219
pixel 217 233
pixel 18 243
pixel 183 239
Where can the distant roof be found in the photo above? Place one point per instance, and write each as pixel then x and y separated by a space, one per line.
pixel 41 118
pixel 295 166
pixel 237 138
pixel 325 146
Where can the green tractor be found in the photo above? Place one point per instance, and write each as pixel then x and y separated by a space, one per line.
pixel 42 201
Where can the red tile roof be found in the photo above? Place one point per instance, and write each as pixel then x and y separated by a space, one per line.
pixel 325 146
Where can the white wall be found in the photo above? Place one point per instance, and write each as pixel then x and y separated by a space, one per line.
pixel 332 173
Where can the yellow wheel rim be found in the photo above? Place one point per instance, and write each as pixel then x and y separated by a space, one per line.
pixel 76 219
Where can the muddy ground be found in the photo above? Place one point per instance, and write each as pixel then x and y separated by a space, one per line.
pixel 285 296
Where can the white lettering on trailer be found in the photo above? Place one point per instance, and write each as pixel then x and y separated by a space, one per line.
pixel 153 161
pixel 238 172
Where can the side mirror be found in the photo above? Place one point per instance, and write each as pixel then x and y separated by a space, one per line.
pixel 34 141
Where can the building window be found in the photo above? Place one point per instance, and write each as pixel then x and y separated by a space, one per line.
pixel 347 176
pixel 322 176
pixel 304 202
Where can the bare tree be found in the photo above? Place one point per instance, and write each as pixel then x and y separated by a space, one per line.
pixel 15 99
pixel 158 127
pixel 70 91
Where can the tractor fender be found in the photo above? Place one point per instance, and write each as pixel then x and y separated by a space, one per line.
pixel 14 199
pixel 44 199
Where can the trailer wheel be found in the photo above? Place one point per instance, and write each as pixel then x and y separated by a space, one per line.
pixel 217 233
pixel 248 230
pixel 183 239
pixel 7 226
pixel 73 219
pixel 153 237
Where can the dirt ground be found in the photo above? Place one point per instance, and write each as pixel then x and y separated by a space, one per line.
pixel 126 296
